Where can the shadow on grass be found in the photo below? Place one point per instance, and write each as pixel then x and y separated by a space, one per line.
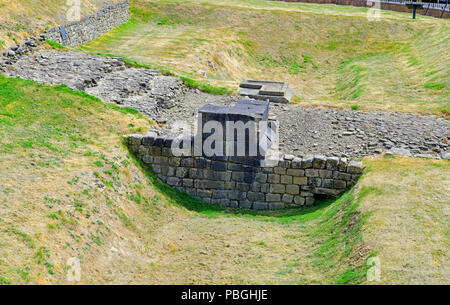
pixel 191 203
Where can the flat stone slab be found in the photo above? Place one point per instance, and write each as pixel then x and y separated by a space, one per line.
pixel 275 92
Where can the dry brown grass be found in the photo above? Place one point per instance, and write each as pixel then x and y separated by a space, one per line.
pixel 22 18
pixel 409 221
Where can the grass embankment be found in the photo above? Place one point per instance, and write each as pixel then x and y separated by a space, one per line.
pixel 25 18
pixel 68 188
pixel 330 55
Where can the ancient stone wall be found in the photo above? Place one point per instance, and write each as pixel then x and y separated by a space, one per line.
pixel 92 26
pixel 231 183
pixel 384 6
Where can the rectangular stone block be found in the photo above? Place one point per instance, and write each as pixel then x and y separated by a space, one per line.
pixel 182 172
pixel 319 162
pixel 223 176
pixel 200 163
pixel 218 166
pixel 311 172
pixel 342 176
pixel 299 200
pixel 279 170
pixel 273 178
pixel 300 180
pixel 354 167
pixel 327 183
pixel 265 187
pixel 285 179
pixel 307 162
pixel 262 178
pixel 287 198
pixel 339 184
pixel 242 187
pixel 273 197
pixel 332 163
pixel 296 163
pixel 324 173
pixel 260 206
pixel 174 161
pixel 276 205
pixel 237 176
pixel 255 187
pixel 245 204
pixel 188 182
pixel 187 162
pixel 173 181
pixel 316 182
pixel 252 196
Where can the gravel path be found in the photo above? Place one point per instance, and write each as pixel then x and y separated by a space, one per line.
pixel 303 131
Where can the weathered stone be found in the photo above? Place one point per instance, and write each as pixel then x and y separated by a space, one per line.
pixel 262 178
pixel 260 206
pixel 319 162
pixel 173 181
pixel 354 167
pixel 279 170
pixel 296 163
pixel 307 162
pixel 332 163
pixel 218 166
pixel 298 200
pixel 324 173
pixel 287 198
pixel 237 176
pixel 277 188
pixel 273 197
pixel 188 182
pixel 276 205
pixel 252 196
pixel 311 172
pixel 296 172
pixel 342 176
pixel 273 178
pixel 340 184
pixel 285 179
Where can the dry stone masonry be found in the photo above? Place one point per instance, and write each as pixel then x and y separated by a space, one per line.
pixel 293 182
pixel 275 92
pixel 92 26
pixel 246 180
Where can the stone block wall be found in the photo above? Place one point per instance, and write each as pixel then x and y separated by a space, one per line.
pixel 92 26
pixel 292 182
pixel 399 7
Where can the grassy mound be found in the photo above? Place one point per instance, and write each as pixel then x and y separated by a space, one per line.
pixel 331 55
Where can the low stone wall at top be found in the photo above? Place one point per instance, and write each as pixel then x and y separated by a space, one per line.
pixel 383 6
pixel 232 182
pixel 92 26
